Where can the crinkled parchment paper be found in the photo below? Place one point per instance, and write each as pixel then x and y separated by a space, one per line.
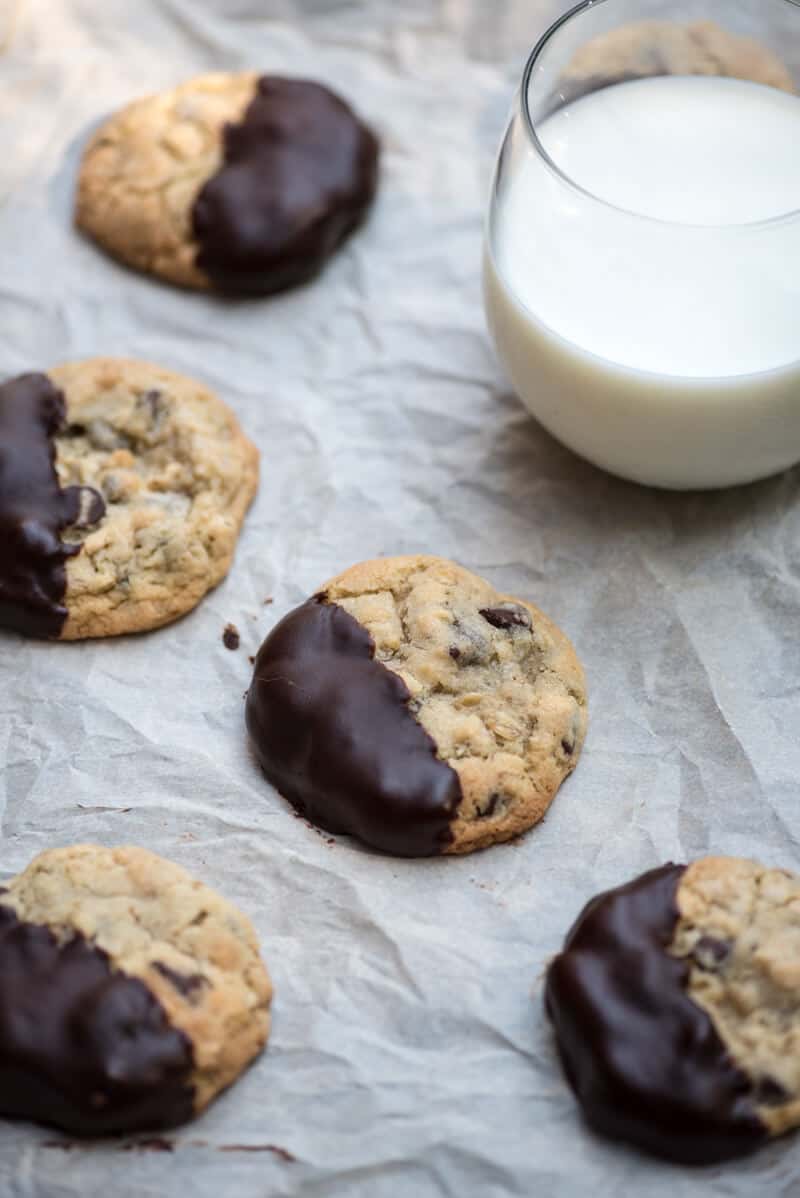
pixel 410 1055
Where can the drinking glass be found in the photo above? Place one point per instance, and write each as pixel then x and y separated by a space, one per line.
pixel 642 256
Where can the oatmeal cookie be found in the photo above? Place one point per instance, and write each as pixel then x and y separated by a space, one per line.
pixel 410 704
pixel 122 493
pixel 236 183
pixel 130 993
pixel 676 1004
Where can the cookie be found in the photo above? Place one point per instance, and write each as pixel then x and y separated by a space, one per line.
pixel 130 994
pixel 676 1005
pixel 123 488
pixel 646 48
pixel 412 706
pixel 238 183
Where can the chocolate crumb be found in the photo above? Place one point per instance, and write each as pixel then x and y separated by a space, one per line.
pixel 230 637
pixel 268 600
pixel 251 659
pixel 455 652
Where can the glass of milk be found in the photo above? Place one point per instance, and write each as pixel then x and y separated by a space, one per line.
pixel 642 264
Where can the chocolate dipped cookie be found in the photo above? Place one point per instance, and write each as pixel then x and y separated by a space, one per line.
pixel 411 705
pixel 130 993
pixel 123 488
pixel 676 1008
pixel 240 184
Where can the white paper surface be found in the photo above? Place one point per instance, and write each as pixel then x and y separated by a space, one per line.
pixel 410 1056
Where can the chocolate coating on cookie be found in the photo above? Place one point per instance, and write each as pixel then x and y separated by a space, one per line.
pixel 34 509
pixel 299 174
pixel 333 732
pixel 83 1047
pixel 645 1062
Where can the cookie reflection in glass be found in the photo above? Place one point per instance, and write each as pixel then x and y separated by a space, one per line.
pixel 643 49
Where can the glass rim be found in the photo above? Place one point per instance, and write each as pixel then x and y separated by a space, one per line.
pixel 554 168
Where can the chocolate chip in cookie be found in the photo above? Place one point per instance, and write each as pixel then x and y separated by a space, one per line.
pixel 390 707
pixel 231 637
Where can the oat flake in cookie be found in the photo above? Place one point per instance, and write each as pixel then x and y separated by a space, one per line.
pixel 123 488
pixel 238 183
pixel 130 994
pixel 676 1007
pixel 411 705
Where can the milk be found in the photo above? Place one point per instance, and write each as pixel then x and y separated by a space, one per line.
pixel 644 286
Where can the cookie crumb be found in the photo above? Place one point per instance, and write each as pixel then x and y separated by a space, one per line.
pixel 251 659
pixel 268 600
pixel 230 636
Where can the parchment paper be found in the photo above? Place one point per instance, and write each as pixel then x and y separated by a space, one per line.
pixel 410 1056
